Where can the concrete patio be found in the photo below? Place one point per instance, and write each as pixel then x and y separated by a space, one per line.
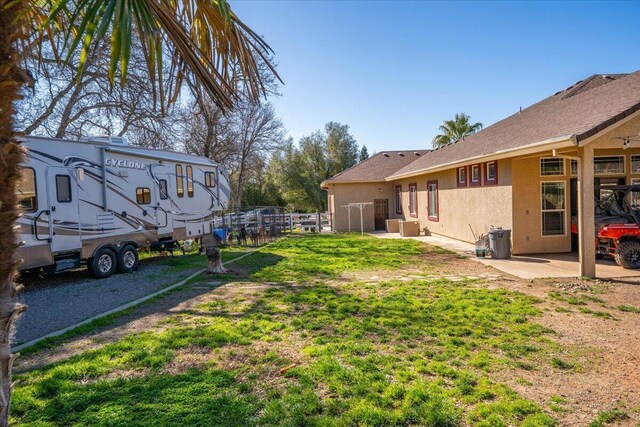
pixel 525 266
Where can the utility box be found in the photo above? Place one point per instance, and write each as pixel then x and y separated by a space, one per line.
pixel 409 228
pixel 500 243
pixel 393 225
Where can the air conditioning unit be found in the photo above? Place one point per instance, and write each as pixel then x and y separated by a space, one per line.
pixel 115 140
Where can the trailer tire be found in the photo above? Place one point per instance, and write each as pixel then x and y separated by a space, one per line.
pixel 103 263
pixel 628 254
pixel 127 259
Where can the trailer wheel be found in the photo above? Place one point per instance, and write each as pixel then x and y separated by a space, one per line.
pixel 628 255
pixel 127 259
pixel 103 263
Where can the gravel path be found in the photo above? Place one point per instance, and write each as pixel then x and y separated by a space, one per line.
pixel 68 298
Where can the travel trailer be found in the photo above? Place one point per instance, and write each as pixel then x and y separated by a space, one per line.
pixel 99 201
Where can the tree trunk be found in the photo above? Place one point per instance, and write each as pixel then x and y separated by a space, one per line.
pixel 11 79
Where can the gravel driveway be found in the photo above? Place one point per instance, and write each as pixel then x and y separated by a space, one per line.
pixel 68 298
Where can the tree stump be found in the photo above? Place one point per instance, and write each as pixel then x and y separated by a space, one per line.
pixel 214 260
pixel 214 257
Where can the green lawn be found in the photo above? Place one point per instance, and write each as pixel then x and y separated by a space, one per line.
pixel 408 349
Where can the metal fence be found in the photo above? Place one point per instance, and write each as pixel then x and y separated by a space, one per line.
pixel 259 224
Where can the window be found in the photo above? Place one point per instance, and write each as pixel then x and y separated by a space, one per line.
pixel 189 181
pixel 164 194
pixel 143 196
pixel 179 181
pixel 553 208
pixel 574 168
pixel 413 200
pixel 398 192
pixel 635 164
pixel 63 188
pixel 209 179
pixel 27 193
pixel 491 173
pixel 462 176
pixel 432 200
pixel 552 167
pixel 475 175
pixel 608 165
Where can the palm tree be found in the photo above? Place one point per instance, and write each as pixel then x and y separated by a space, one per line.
pixel 203 40
pixel 453 130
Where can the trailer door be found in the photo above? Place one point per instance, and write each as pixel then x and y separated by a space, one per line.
pixel 65 229
pixel 163 208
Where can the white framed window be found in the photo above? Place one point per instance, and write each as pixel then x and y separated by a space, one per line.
pixel 552 166
pixel 475 175
pixel 635 164
pixel 413 200
pixel 398 192
pixel 574 168
pixel 432 200
pixel 608 165
pixel 462 176
pixel 553 207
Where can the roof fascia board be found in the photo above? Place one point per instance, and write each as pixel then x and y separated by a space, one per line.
pixel 549 144
pixel 328 183
pixel 609 128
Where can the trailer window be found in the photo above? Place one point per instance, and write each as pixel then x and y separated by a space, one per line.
pixel 143 196
pixel 179 181
pixel 63 188
pixel 164 194
pixel 189 181
pixel 209 179
pixel 27 190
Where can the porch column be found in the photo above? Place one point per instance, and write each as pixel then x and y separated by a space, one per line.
pixel 586 214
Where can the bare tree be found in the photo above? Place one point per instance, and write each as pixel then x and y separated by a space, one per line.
pixel 63 107
pixel 258 132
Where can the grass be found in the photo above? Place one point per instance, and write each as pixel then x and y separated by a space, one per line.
pixel 629 309
pixel 394 351
pixel 193 260
pixel 605 418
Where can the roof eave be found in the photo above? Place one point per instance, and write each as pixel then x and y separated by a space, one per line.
pixel 551 143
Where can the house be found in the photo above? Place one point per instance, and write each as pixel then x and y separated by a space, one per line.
pixel 530 172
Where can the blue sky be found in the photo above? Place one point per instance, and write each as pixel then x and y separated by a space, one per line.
pixel 393 71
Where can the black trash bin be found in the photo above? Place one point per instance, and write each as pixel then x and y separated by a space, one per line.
pixel 500 243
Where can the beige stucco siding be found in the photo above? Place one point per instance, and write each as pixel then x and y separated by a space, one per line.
pixel 481 207
pixel 343 194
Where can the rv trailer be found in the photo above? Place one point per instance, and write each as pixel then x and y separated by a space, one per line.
pixel 99 201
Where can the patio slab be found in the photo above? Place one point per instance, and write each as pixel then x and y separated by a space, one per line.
pixel 525 266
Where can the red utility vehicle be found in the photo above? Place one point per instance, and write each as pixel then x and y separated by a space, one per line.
pixel 617 218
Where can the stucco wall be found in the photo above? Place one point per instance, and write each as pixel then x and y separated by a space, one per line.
pixel 342 194
pixel 481 207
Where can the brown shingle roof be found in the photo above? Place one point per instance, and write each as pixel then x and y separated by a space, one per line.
pixel 577 112
pixel 377 167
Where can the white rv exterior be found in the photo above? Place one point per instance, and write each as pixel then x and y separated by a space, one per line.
pixel 100 200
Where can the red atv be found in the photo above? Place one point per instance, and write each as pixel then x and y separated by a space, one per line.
pixel 617 218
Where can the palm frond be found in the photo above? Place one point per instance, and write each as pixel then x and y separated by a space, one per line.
pixel 203 38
